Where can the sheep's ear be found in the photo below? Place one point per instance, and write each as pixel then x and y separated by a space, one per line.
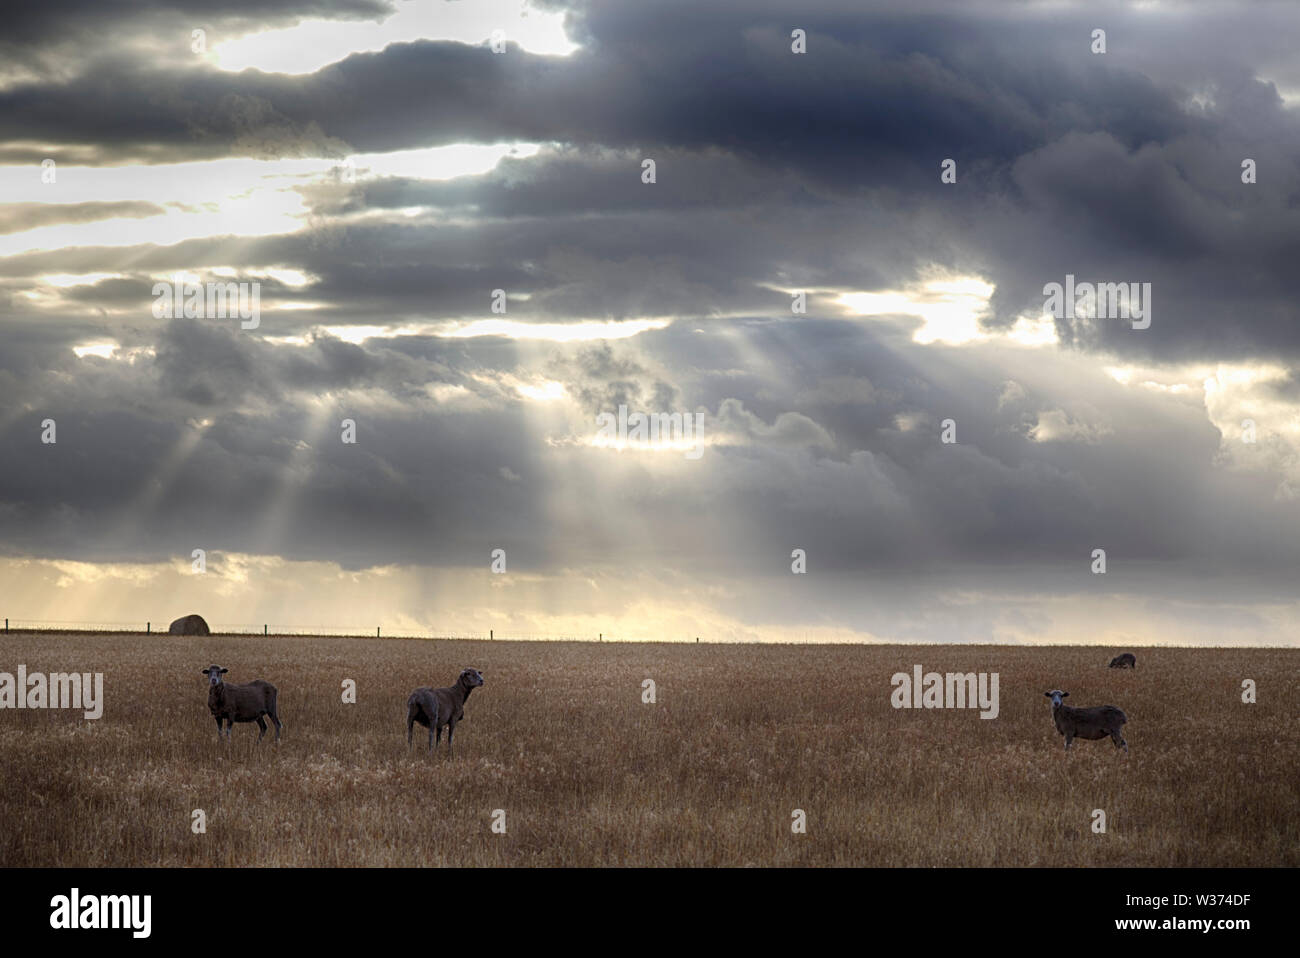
pixel 1064 695
pixel 224 671
pixel 1048 694
pixel 205 671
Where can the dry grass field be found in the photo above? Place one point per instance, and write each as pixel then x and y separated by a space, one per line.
pixel 588 775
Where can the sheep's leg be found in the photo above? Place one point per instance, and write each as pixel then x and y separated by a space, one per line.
pixel 218 728
pixel 1118 740
pixel 1068 740
pixel 410 728
pixel 261 723
pixel 278 725
pixel 431 724
pixel 451 728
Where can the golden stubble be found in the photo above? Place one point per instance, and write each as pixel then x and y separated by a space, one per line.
pixel 589 775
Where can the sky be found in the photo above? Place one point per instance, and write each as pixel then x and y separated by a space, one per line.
pixel 837 265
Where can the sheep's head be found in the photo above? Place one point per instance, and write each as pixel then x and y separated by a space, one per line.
pixel 1056 695
pixel 214 673
pixel 471 678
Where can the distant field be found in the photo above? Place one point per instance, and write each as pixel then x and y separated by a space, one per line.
pixel 589 775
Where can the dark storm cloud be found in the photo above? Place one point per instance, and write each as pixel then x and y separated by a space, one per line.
pixel 118 423
pixel 1068 162
pixel 424 483
pixel 775 172
pixel 33 25
pixel 573 267
pixel 864 108
pixel 575 181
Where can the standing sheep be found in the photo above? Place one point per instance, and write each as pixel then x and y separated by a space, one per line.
pixel 434 708
pixel 241 703
pixel 1126 661
pixel 1095 722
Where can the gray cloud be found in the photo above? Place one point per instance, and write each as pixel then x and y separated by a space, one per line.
pixel 25 216
pixel 775 173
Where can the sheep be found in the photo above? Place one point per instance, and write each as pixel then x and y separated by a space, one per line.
pixel 1126 661
pixel 434 708
pixel 1090 723
pixel 241 703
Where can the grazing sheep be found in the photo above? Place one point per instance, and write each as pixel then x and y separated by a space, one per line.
pixel 241 703
pixel 434 708
pixel 1090 723
pixel 1126 661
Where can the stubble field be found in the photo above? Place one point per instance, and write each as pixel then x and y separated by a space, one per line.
pixel 589 775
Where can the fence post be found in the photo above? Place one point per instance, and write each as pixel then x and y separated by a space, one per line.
pixel 376 632
pixel 6 625
pixel 264 628
pixel 602 637
pixel 146 627
pixel 492 633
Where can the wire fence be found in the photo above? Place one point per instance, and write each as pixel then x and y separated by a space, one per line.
pixel 12 626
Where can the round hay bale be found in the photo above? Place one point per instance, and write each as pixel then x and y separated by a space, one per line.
pixel 189 625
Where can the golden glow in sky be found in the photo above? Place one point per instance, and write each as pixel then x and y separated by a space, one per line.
pixel 230 197
pixel 313 44
pixel 951 309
